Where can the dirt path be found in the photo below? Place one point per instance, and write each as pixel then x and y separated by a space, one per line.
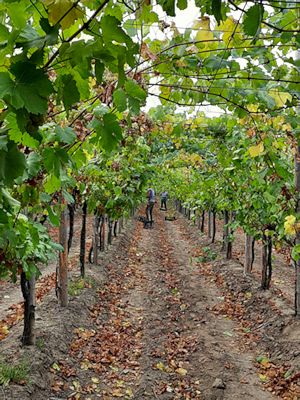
pixel 155 334
pixel 158 324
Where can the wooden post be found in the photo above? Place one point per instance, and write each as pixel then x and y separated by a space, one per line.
pixel 63 260
pixel 28 291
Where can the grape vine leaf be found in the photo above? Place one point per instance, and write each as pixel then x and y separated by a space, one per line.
pixel 66 12
pixel 12 164
pixel 252 20
pixel 30 89
pixel 217 10
pixel 108 131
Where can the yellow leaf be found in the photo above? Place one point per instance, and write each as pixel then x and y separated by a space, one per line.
pixel 263 378
pixel 129 393
pixel 231 35
pixel 252 107
pixel 55 366
pixel 204 36
pixel 63 11
pixel 4 329
pixel 280 97
pixel 95 379
pixel 289 225
pixel 160 366
pixel 255 151
pixel 181 371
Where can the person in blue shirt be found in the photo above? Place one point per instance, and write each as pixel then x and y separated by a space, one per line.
pixel 150 204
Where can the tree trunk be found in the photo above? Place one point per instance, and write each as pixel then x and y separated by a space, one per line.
pixel 102 233
pixel 28 291
pixel 119 227
pixel 189 214
pixel 227 234
pixel 83 240
pixel 202 221
pixel 71 208
pixel 109 233
pixel 249 253
pixel 266 274
pixel 213 227
pixel 115 228
pixel 95 238
pixel 209 223
pixel 62 280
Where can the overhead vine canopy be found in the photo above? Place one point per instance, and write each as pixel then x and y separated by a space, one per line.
pixel 74 76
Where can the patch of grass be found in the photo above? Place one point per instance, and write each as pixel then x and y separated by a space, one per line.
pixel 208 255
pixel 77 285
pixel 18 373
pixel 40 343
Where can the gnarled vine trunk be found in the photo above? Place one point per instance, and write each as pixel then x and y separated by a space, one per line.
pixel 297 263
pixel 202 221
pixel 249 253
pixel 71 208
pixel 28 291
pixel 62 276
pixel 209 223
pixel 83 240
pixel 266 274
pixel 213 235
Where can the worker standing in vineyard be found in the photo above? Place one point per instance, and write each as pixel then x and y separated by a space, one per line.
pixel 163 200
pixel 150 204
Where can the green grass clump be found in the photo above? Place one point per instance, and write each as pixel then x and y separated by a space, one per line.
pixel 208 255
pixel 18 373
pixel 77 285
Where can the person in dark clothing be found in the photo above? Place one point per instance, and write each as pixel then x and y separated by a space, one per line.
pixel 150 205
pixel 163 200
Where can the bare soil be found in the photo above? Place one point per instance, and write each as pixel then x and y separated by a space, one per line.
pixel 159 323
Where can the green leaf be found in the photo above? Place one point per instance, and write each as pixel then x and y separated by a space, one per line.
pixel 3 142
pixel 182 4
pixel 109 132
pixel 69 92
pixel 30 89
pixel 111 30
pixel 52 184
pixel 65 135
pixel 99 70
pixel 216 10
pixel 17 13
pixel 168 6
pixel 12 164
pixel 54 218
pixel 134 90
pixel 252 20
pixel 33 163
pixel 11 201
pixel 120 99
